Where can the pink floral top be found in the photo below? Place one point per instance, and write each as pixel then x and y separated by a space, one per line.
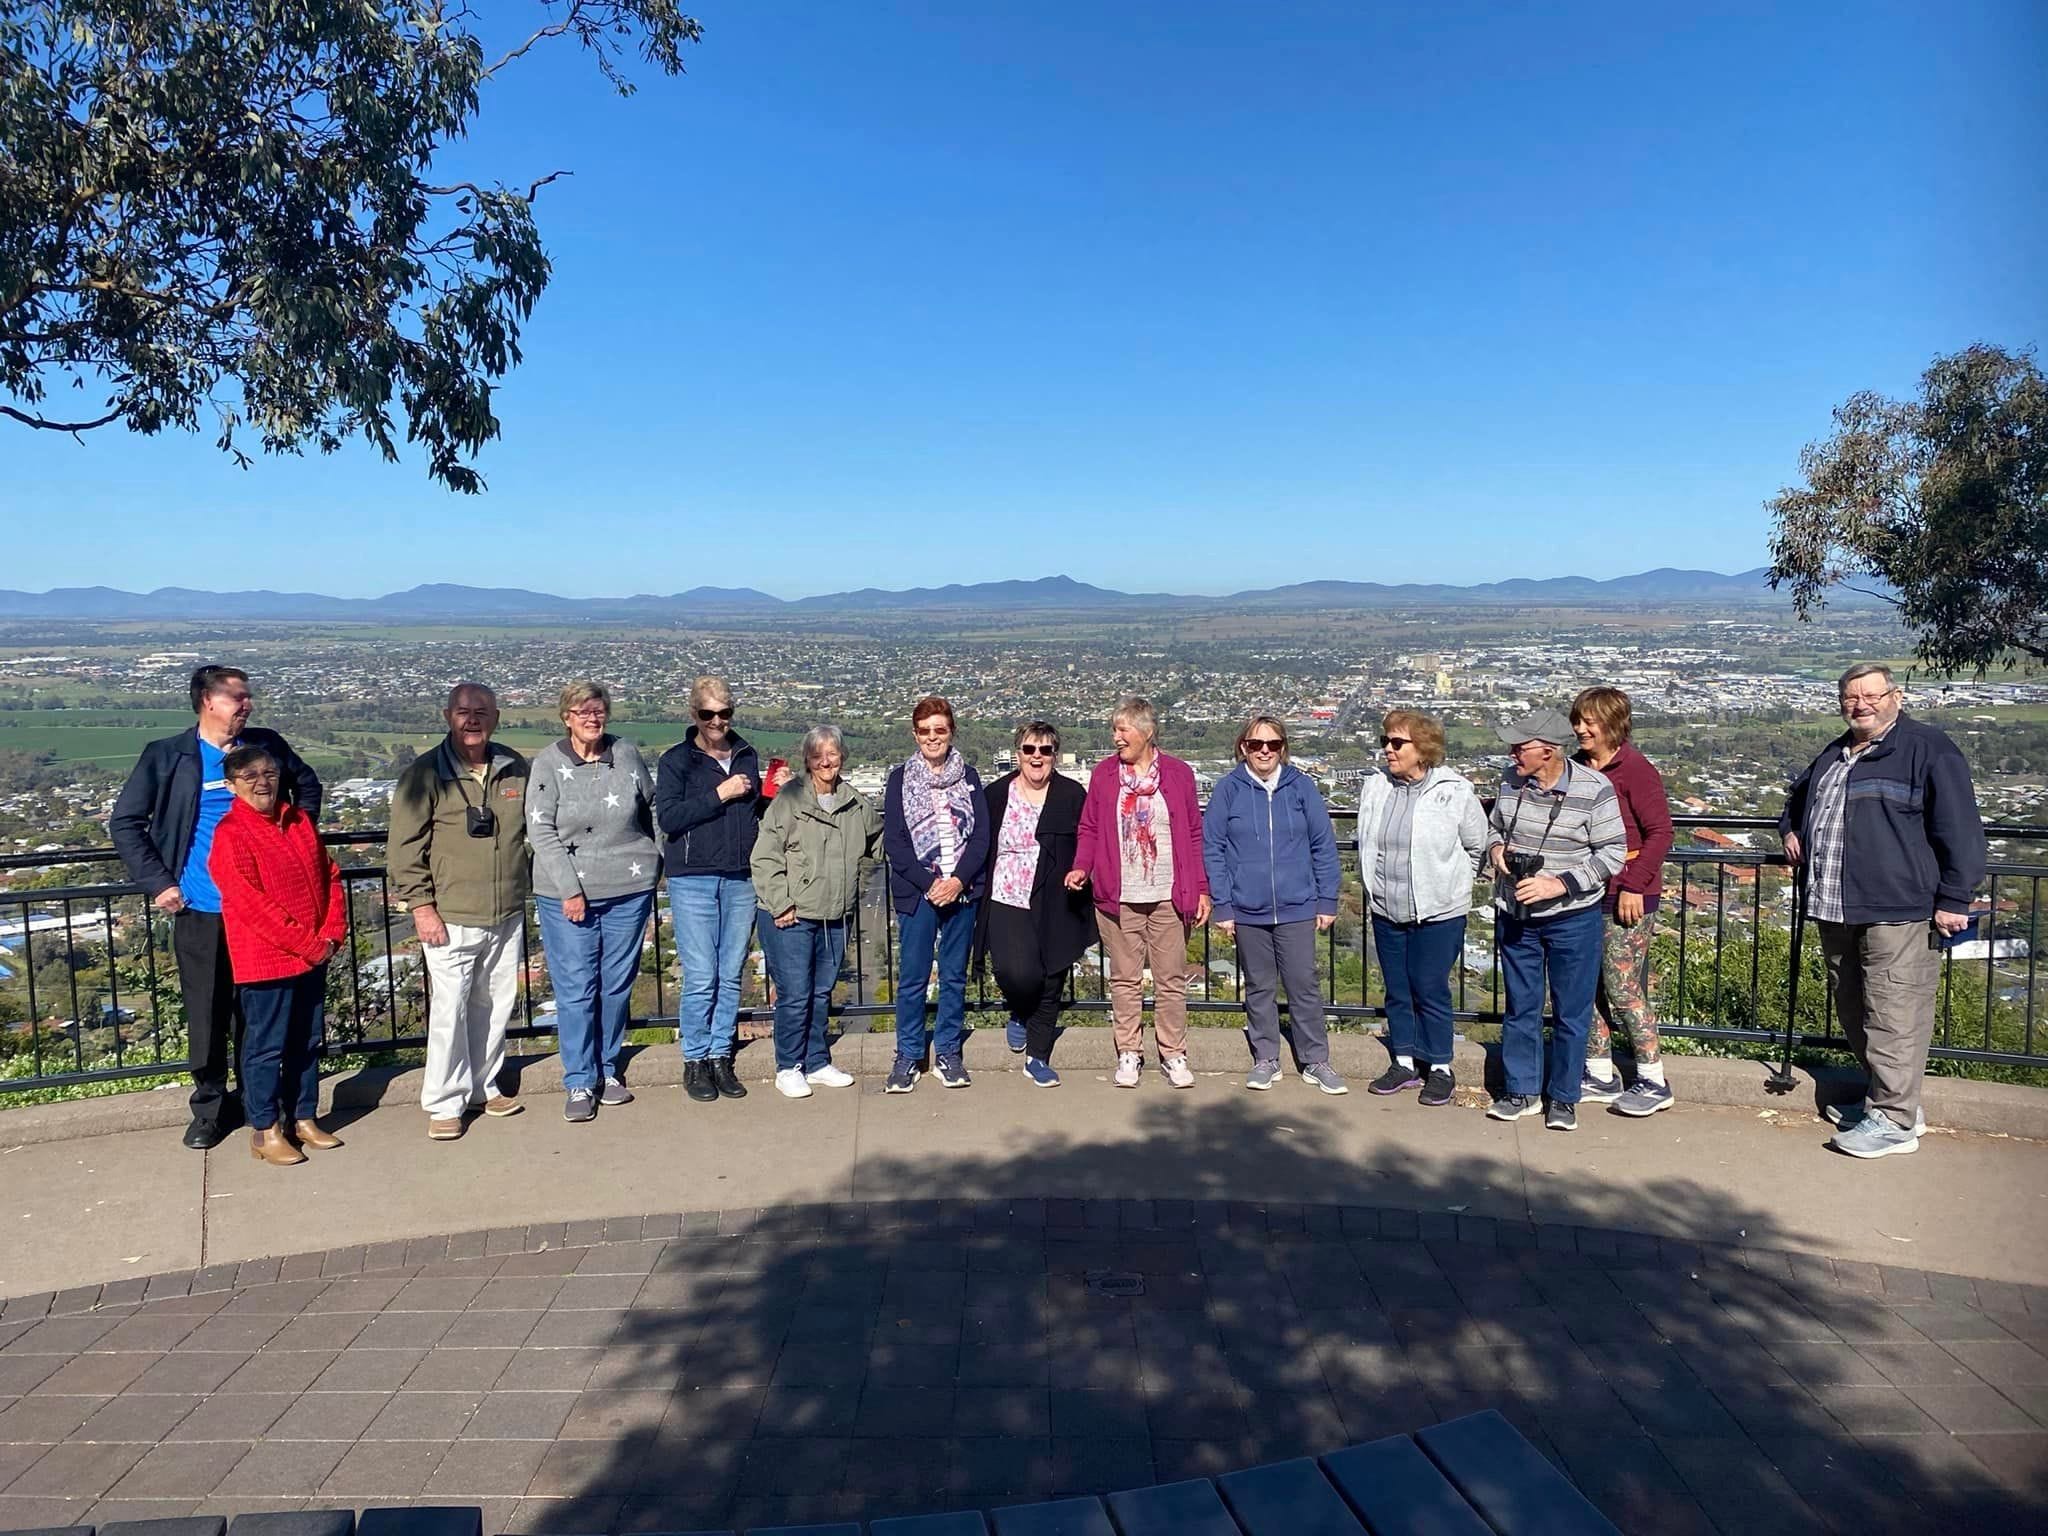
pixel 1016 853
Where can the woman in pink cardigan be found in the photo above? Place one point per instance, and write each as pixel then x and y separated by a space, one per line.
pixel 1140 845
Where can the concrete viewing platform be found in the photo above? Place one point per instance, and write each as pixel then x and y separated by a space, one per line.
pixel 716 1316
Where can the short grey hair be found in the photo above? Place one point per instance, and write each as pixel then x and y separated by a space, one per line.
pixel 1865 669
pixel 1133 709
pixel 461 688
pixel 585 690
pixel 817 739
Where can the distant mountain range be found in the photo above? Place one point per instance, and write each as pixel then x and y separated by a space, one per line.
pixel 444 601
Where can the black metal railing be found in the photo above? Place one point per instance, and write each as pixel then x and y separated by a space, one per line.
pixel 88 992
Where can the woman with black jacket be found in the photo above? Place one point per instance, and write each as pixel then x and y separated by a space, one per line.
pixel 707 799
pixel 1032 928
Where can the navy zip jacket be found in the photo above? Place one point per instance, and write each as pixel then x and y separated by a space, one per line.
pixel 909 877
pixel 1269 860
pixel 157 811
pixel 706 835
pixel 1912 841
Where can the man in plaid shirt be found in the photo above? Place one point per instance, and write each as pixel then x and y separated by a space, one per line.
pixel 1885 823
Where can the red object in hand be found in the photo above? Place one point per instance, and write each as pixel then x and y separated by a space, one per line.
pixel 771 781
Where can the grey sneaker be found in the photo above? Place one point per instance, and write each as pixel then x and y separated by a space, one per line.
pixel 1875 1135
pixel 902 1076
pixel 581 1106
pixel 1562 1117
pixel 1598 1090
pixel 1850 1115
pixel 1324 1076
pixel 1513 1106
pixel 1645 1098
pixel 615 1093
pixel 1263 1075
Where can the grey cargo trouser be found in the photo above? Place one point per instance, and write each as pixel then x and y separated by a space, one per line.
pixel 1884 977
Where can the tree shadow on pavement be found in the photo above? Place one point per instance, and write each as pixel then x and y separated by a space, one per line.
pixel 986 1346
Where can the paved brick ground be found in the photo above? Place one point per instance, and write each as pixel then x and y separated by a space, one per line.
pixel 740 1368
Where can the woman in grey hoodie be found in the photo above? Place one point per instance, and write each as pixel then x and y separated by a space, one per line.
pixel 590 823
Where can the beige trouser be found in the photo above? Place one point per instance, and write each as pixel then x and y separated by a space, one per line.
pixel 1884 976
pixel 1142 934
pixel 472 988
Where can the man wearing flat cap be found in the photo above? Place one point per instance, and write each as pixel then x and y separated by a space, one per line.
pixel 1557 839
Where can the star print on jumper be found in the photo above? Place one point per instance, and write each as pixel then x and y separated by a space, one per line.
pixel 591 824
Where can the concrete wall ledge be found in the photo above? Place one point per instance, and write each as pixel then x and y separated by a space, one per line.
pixel 1952 1104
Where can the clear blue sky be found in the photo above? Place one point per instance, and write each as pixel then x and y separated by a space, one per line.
pixel 1190 297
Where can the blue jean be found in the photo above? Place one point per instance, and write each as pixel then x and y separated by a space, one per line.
pixel 804 960
pixel 593 965
pixel 1416 960
pixel 284 1025
pixel 712 915
pixel 924 931
pixel 1568 947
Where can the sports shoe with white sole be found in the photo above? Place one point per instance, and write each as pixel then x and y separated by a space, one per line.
pixel 829 1076
pixel 789 1082
pixel 1129 1066
pixel 1177 1071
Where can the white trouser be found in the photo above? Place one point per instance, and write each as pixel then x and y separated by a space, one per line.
pixel 473 985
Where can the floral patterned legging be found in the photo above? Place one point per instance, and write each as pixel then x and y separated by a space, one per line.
pixel 1623 1002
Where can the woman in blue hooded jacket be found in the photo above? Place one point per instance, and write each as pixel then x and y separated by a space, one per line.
pixel 1272 864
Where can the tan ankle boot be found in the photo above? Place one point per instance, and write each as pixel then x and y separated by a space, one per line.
pixel 307 1133
pixel 271 1147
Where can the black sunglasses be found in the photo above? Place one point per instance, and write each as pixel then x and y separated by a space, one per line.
pixel 1036 751
pixel 715 714
pixel 1397 741
pixel 1263 743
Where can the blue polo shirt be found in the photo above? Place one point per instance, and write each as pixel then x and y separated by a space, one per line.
pixel 195 881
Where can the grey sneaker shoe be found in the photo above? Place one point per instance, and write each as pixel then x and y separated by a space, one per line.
pixel 615 1093
pixel 1849 1116
pixel 1263 1075
pixel 1513 1106
pixel 1324 1076
pixel 1562 1117
pixel 1645 1098
pixel 1597 1090
pixel 1875 1135
pixel 580 1106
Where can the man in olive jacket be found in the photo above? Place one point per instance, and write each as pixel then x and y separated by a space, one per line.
pixel 458 859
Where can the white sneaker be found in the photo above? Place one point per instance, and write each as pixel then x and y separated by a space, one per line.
pixel 829 1076
pixel 789 1082
pixel 1178 1072
pixel 1128 1065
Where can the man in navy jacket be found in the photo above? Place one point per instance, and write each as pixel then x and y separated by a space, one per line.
pixel 162 826
pixel 1885 824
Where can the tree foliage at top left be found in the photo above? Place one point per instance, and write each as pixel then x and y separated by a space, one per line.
pixel 222 213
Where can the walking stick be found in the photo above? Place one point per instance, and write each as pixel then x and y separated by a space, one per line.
pixel 1782 1081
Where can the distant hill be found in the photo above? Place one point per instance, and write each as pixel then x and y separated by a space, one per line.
pixel 446 601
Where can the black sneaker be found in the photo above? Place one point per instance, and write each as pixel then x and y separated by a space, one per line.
pixel 1562 1117
pixel 697 1082
pixel 1437 1091
pixel 1396 1079
pixel 953 1072
pixel 725 1080
pixel 1513 1106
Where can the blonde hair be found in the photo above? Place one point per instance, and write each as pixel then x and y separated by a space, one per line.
pixel 1135 710
pixel 585 690
pixel 706 687
pixel 1257 720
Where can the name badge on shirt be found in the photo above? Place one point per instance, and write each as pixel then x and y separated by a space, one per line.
pixel 214 784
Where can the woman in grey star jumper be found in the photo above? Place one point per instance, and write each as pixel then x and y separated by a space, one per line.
pixel 590 823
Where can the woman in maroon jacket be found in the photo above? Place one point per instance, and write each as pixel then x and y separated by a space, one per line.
pixel 284 916
pixel 1601 718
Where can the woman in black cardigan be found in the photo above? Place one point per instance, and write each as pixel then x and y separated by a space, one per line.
pixel 1032 928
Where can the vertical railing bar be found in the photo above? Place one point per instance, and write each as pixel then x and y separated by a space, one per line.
pixel 114 984
pixel 156 1009
pixel 28 967
pixel 1684 908
pixel 1990 956
pixel 1720 931
pixel 2033 955
pixel 71 975
pixel 390 956
pixel 355 967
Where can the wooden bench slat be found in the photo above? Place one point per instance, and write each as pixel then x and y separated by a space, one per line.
pixel 1511 1483
pixel 1393 1487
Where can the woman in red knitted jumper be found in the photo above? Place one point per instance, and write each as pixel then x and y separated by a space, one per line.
pixel 284 915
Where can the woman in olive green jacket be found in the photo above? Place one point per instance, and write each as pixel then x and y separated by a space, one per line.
pixel 811 853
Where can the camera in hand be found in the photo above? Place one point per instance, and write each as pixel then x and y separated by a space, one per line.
pixel 1522 865
pixel 483 821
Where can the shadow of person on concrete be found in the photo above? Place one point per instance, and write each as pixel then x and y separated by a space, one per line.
pixel 975 1344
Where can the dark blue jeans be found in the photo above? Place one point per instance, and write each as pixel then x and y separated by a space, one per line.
pixel 593 965
pixel 1568 949
pixel 923 931
pixel 284 1025
pixel 803 960
pixel 1416 960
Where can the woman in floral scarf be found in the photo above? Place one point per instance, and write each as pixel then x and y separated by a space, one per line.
pixel 1140 844
pixel 935 832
